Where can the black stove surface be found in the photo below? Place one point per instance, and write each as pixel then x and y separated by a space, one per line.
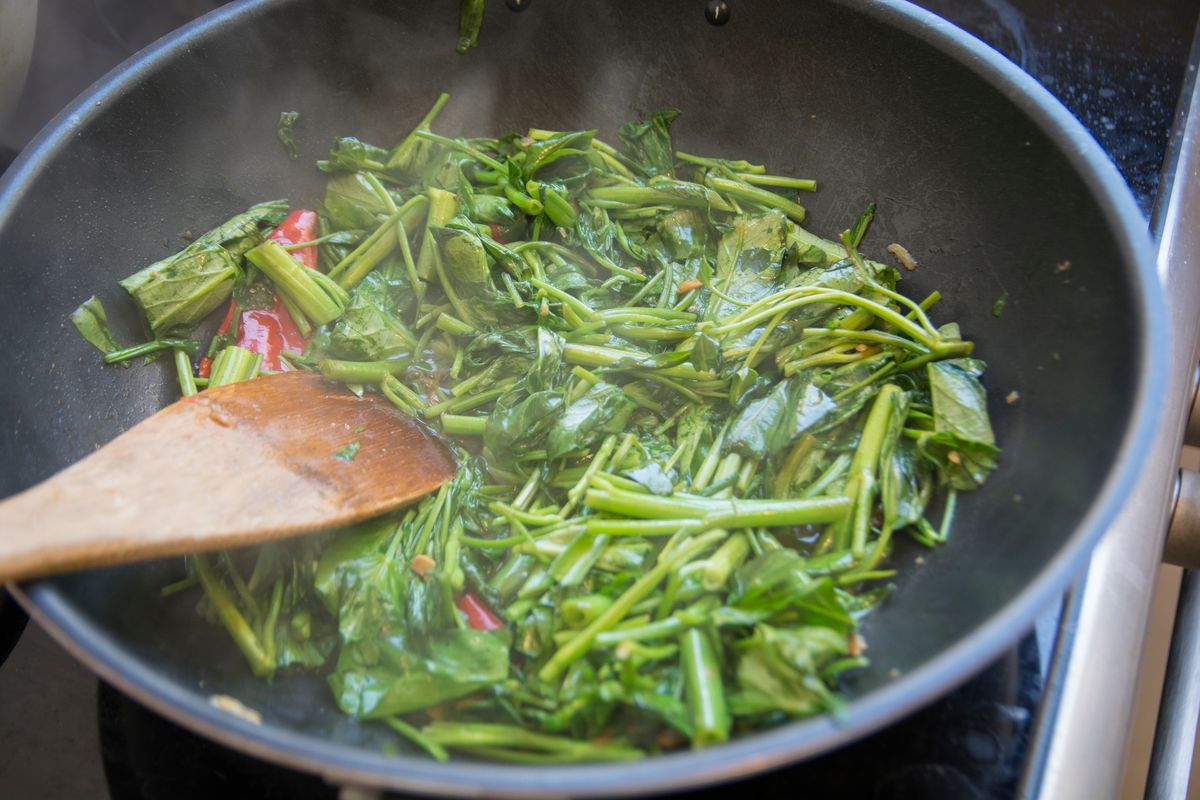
pixel 1117 64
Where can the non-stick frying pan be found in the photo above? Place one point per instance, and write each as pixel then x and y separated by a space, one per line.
pixel 984 177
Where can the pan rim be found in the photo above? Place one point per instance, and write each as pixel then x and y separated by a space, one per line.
pixel 747 755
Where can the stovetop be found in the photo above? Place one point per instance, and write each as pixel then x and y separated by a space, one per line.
pixel 1119 65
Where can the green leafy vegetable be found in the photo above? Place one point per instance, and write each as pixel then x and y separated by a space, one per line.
pixel 285 132
pixel 470 20
pixel 690 430
pixel 348 452
pixel 178 292
pixel 649 143
pixel 92 323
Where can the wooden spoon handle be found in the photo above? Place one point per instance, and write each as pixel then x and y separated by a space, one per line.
pixel 229 467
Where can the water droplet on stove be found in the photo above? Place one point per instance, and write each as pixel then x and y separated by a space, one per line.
pixel 517 5
pixel 717 12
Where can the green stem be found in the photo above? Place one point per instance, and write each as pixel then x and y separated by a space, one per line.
pixel 146 348
pixel 417 737
pixel 457 425
pixel 724 513
pixel 578 612
pixel 779 181
pixel 578 647
pixel 762 197
pixel 861 484
pixel 462 147
pixel 442 208
pixel 401 396
pixel 518 741
pixel 400 152
pixel 367 372
pixel 183 367
pixel 703 688
pixel 234 364
pixel 318 297
pixel 233 620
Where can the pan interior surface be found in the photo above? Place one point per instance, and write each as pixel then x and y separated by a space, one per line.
pixel 991 199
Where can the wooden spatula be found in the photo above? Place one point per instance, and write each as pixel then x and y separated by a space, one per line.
pixel 233 465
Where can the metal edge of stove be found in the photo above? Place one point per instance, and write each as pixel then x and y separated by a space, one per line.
pixel 1175 737
pixel 1081 740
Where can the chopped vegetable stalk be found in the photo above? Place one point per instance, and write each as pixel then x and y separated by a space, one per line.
pixel 317 296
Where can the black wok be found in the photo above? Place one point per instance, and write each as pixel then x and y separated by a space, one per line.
pixel 976 169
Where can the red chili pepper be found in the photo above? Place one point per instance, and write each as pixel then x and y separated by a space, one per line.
pixel 228 321
pixel 479 616
pixel 204 370
pixel 497 233
pixel 293 339
pixel 299 226
pixel 259 331
pixel 272 331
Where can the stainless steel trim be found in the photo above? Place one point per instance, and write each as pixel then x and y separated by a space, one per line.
pixel 1183 534
pixel 1175 738
pixel 1087 749
pixel 1192 435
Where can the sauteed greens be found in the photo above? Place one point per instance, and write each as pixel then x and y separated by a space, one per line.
pixel 689 433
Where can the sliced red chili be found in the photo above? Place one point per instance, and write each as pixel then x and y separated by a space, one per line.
pixel 259 330
pixel 479 616
pixel 298 227
pixel 271 331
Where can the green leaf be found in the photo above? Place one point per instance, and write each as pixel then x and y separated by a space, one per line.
pixel 405 675
pixel 706 353
pixel 92 323
pixel 518 425
pixel 653 477
pixel 359 583
pixel 177 293
pixel 749 258
pixel 776 587
pixel 284 132
pixel 685 233
pixel 369 329
pixel 964 463
pixel 546 369
pixel 244 231
pixel 905 482
pixel 467 280
pixel 778 669
pixel 959 401
pixel 854 236
pixel 348 452
pixel 648 143
pixel 351 155
pixel 545 152
pixel 604 408
pixel 769 425
pixel 352 202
